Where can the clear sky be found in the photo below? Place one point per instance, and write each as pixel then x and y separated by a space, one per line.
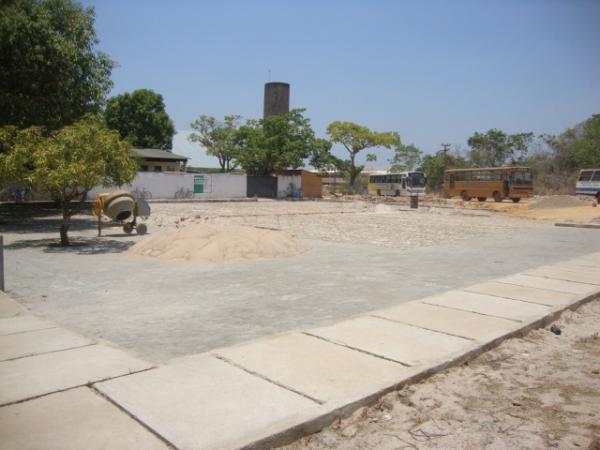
pixel 435 71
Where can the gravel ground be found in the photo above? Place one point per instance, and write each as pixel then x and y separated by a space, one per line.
pixel 386 224
pixel 539 391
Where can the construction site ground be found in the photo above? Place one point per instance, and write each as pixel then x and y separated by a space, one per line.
pixel 363 256
pixel 136 352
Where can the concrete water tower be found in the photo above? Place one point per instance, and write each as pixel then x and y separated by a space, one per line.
pixel 277 98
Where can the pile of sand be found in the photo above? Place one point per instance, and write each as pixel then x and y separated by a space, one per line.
pixel 218 244
pixel 557 201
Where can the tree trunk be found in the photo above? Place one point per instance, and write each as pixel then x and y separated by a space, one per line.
pixel 352 170
pixel 66 221
pixel 64 229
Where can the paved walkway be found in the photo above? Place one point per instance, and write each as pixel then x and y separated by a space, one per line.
pixel 60 390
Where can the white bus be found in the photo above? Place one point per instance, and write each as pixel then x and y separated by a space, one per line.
pixel 588 183
pixel 397 183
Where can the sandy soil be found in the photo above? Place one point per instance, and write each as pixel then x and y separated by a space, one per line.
pixel 207 243
pixel 551 208
pixel 540 391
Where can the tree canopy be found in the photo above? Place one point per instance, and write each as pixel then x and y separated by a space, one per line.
pixel 356 138
pixel 434 166
pixel 577 147
pixel 495 148
pixel 140 117
pixel 218 138
pixel 276 143
pixel 51 73
pixel 68 163
pixel 406 157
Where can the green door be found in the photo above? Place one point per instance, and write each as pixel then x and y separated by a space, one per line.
pixel 198 184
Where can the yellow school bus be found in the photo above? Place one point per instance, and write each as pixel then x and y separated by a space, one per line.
pixel 512 182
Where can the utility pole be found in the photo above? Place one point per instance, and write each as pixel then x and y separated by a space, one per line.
pixel 445 148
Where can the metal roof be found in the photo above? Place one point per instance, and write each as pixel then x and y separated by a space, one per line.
pixel 154 153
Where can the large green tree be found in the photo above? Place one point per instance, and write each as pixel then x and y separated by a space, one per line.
pixel 276 143
pixel 356 138
pixel 495 148
pixel 51 73
pixel 140 117
pixel 577 147
pixel 406 157
pixel 68 163
pixel 219 138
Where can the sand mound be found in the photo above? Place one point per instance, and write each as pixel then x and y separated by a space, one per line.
pixel 557 201
pixel 218 244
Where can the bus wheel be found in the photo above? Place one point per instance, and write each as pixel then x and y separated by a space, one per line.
pixel 482 199
pixel 497 196
pixel 465 196
pixel 516 199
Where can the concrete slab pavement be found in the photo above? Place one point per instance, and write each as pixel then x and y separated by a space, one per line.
pixel 488 305
pixel 36 342
pixel 524 293
pixel 8 307
pixel 566 274
pixel 445 320
pixel 265 393
pixel 395 341
pixel 553 284
pixel 33 376
pixel 19 324
pixel 201 402
pixel 326 372
pixel 72 420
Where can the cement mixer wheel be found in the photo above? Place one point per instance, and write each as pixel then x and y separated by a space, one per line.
pixel 128 228
pixel 141 228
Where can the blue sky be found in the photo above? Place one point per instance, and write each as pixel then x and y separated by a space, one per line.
pixel 435 71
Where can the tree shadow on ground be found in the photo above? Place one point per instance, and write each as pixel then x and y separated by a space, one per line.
pixel 79 246
pixel 22 218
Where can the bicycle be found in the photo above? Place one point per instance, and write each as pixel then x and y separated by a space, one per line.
pixel 142 193
pixel 184 193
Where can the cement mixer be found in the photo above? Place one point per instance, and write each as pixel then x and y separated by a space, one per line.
pixel 120 206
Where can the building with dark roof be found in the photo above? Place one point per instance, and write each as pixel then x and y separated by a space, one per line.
pixel 155 160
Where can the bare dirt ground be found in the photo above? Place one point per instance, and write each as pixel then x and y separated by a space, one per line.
pixel 539 391
pixel 558 208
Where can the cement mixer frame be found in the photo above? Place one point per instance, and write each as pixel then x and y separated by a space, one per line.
pixel 140 208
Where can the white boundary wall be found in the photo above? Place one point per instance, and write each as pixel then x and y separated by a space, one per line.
pixel 165 185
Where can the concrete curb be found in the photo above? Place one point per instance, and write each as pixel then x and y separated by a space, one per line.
pixel 577 225
pixel 314 425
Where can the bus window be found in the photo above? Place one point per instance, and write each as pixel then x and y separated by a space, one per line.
pixel 522 177
pixel 416 179
pixel 596 176
pixel 586 175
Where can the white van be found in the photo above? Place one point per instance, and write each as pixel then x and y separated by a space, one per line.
pixel 588 183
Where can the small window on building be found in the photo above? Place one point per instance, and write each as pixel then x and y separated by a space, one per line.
pixel 158 168
pixel 144 168
pixel 170 169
